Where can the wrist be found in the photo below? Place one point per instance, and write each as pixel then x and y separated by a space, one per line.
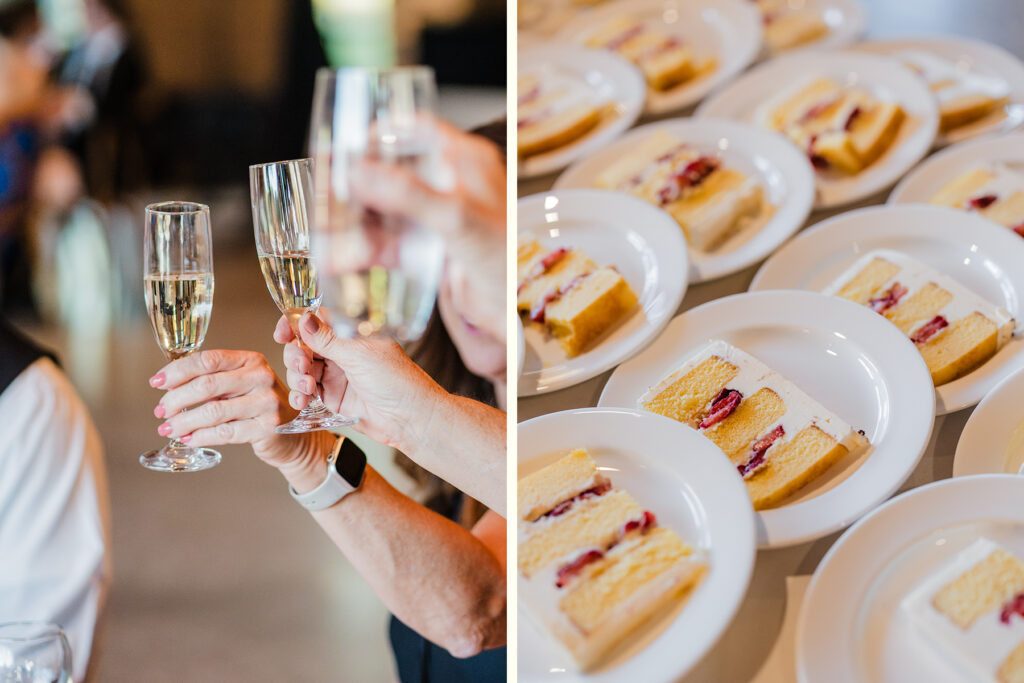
pixel 427 417
pixel 307 471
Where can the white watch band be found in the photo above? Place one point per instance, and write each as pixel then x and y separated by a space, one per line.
pixel 333 488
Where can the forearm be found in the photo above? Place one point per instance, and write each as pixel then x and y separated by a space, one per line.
pixel 432 574
pixel 464 442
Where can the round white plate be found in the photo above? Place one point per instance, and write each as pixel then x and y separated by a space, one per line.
pixel 850 628
pixel 846 21
pixel 729 31
pixel 611 79
pixel 923 182
pixel 983 256
pixel 681 477
pixel 993 439
pixel 850 359
pixel 782 171
pixel 642 242
pixel 974 56
pixel 753 94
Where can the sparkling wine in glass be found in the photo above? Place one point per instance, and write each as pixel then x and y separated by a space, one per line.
pixel 281 194
pixel 34 652
pixel 379 269
pixel 178 267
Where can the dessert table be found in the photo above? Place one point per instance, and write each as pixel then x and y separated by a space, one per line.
pixel 760 643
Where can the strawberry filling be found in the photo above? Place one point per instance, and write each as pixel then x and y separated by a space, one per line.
pixel 757 462
pixel 536 118
pixel 669 43
pixel 693 174
pixel 819 162
pixel 929 329
pixel 982 202
pixel 1013 606
pixel 567 571
pixel 646 172
pixel 624 37
pixel 817 110
pixel 539 311
pixel 888 299
pixel 851 118
pixel 543 266
pixel 563 507
pixel 1019 228
pixel 721 408
pixel 530 95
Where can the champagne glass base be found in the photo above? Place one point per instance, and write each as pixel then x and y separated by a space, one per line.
pixel 315 421
pixel 180 459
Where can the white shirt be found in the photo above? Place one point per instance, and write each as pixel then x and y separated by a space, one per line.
pixel 54 509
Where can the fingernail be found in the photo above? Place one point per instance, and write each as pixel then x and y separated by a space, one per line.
pixel 157 380
pixel 159 410
pixel 311 324
pixel 164 429
pixel 186 438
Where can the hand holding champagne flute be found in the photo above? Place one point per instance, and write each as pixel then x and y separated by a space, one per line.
pixel 280 193
pixel 178 263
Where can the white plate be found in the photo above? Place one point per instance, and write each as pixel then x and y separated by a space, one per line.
pixel 782 171
pixel 850 359
pixel 993 439
pixel 727 30
pixel 846 21
pixel 924 181
pixel 613 229
pixel 681 477
pixel 977 57
pixel 848 631
pixel 884 77
pixel 611 78
pixel 982 256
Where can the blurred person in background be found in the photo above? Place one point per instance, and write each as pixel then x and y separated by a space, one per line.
pixel 54 507
pixel 439 567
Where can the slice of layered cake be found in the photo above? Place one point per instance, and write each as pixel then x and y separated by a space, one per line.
pixel 995 191
pixel 954 329
pixel 839 127
pixel 568 293
pixel 664 59
pixel 709 201
pixel 779 438
pixel 972 612
pixel 964 96
pixel 787 27
pixel 594 565
pixel 554 111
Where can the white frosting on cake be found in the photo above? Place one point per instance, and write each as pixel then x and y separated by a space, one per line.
pixel 570 92
pixel 914 275
pixel 724 217
pixel 979 650
pixel 961 82
pixel 801 409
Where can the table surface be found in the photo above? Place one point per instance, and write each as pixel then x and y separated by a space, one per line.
pixel 759 645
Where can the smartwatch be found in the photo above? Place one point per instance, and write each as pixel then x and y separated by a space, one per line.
pixel 345 468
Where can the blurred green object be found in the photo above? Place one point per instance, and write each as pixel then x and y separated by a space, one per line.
pixel 357 32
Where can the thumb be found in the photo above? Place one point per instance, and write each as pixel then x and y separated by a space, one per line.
pixel 320 338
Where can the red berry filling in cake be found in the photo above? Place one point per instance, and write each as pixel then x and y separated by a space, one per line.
pixel 692 175
pixel 757 461
pixel 721 407
pixel 982 202
pixel 1012 606
pixel 889 298
pixel 929 329
pixel 567 571
pixel 563 507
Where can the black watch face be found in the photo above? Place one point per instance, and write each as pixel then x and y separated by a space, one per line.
pixel 351 462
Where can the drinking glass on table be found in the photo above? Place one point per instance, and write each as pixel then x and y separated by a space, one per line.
pixel 178 266
pixel 34 652
pixel 379 271
pixel 281 194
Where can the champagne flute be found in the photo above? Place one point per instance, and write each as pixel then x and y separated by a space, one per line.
pixel 380 271
pixel 280 193
pixel 34 652
pixel 178 266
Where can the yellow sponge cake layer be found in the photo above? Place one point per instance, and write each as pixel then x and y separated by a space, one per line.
pixel 954 329
pixel 685 394
pixel 588 309
pixel 553 111
pixel 790 29
pixel 552 272
pixel 994 191
pixel 794 464
pixel 986 587
pixel 591 522
pixel 664 60
pixel 556 129
pixel 541 491
pixel 715 209
pixel 778 437
pixel 963 95
pixel 1012 668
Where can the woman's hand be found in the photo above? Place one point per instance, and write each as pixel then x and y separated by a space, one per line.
pixel 239 399
pixel 470 217
pixel 369 379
